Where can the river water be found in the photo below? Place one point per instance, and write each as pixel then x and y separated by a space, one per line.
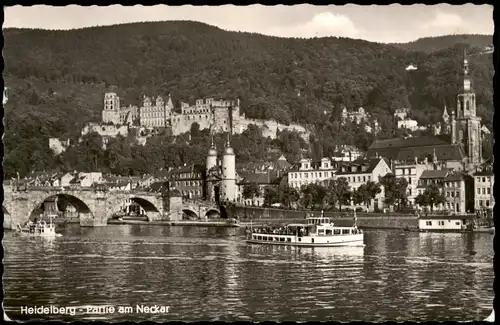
pixel 211 274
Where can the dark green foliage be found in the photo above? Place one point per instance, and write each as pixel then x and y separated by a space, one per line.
pixel 431 197
pixel 57 80
pixel 251 190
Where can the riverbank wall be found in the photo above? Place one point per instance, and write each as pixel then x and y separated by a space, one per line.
pixel 257 215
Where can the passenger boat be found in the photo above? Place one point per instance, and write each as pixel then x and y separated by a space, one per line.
pixel 38 229
pixel 316 232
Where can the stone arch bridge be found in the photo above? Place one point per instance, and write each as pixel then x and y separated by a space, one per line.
pixel 95 207
pixel 199 209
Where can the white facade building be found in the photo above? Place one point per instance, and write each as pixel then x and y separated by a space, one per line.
pixel 409 124
pixel 308 172
pixel 483 189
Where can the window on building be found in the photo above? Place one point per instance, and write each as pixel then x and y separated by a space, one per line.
pixel 457 194
pixel 319 174
pixel 480 203
pixel 478 191
pixel 364 179
pixel 331 174
pixel 484 179
pixel 488 190
pixel 447 194
pixel 484 190
pixel 487 203
pixel 428 223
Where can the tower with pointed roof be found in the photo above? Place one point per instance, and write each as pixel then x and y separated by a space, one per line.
pixel 468 125
pixel 228 190
pixel 446 129
pixel 211 161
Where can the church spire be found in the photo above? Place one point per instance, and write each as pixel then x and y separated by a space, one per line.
pixel 467 80
pixel 445 113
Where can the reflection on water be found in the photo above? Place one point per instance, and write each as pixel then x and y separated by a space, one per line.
pixel 211 274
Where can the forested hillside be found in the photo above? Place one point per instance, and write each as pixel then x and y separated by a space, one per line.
pixel 57 79
pixel 431 44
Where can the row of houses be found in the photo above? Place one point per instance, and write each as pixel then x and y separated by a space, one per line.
pixel 463 191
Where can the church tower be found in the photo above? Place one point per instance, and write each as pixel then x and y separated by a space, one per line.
pixel 228 192
pixel 468 125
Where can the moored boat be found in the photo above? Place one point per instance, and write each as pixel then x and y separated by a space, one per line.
pixel 38 229
pixel 315 232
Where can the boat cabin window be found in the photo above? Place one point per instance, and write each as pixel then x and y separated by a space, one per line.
pixel 328 232
pixel 345 231
pixel 321 231
pixel 336 231
pixel 289 239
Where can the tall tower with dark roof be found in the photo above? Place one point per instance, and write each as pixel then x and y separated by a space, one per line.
pixel 468 125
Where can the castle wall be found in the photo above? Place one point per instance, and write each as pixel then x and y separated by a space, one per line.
pixel 105 130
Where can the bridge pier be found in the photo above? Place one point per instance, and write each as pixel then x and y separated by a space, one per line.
pixel 99 218
pixel 18 212
pixel 174 208
pixel 154 216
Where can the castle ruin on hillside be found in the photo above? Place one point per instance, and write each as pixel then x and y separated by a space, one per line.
pixel 160 114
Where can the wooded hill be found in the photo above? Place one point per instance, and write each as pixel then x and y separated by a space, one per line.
pixel 57 79
pixel 431 44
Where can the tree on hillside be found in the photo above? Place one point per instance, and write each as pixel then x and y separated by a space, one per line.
pixel 251 190
pixel 389 184
pixel 271 195
pixel 431 197
pixel 368 192
pixel 312 195
pixel 401 192
pixel 338 192
pixel 289 195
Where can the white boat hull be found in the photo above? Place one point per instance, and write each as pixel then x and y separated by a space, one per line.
pixel 45 235
pixel 308 241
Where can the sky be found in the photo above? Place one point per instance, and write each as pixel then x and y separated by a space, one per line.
pixel 386 24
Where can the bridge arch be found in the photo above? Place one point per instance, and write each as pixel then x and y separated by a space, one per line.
pixel 147 205
pixel 128 204
pixel 211 212
pixel 62 201
pixel 188 213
